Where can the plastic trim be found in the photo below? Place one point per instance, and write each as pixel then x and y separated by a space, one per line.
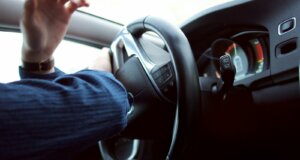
pixel 294 22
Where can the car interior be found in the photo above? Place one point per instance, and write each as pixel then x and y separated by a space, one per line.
pixel 224 84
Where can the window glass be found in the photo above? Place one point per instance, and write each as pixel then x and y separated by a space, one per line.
pixel 10 56
pixel 69 56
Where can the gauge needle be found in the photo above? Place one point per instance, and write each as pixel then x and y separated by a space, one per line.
pixel 230 48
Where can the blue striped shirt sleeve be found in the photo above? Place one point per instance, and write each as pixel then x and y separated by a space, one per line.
pixel 55 116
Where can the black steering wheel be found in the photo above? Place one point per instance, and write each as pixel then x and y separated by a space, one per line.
pixel 150 72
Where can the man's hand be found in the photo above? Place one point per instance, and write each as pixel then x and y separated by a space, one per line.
pixel 44 25
pixel 102 62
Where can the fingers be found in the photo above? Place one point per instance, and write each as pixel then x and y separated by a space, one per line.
pixel 69 5
pixel 73 5
pixel 63 1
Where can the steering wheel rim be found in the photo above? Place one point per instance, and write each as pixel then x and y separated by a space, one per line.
pixel 188 104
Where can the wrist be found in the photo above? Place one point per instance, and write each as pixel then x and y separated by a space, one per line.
pixel 34 56
pixel 37 62
pixel 44 67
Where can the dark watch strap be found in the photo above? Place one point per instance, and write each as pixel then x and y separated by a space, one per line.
pixel 38 67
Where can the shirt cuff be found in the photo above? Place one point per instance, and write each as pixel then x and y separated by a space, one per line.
pixel 51 76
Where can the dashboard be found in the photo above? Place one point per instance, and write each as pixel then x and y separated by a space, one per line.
pixel 261 39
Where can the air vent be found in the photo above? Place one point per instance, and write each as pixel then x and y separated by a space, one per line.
pixel 287 47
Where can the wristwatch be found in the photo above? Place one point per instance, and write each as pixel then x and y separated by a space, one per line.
pixel 38 67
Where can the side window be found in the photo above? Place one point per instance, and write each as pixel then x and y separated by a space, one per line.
pixel 70 56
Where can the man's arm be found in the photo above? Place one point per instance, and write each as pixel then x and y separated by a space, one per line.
pixel 56 119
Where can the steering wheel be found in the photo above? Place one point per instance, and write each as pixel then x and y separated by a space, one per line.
pixel 150 72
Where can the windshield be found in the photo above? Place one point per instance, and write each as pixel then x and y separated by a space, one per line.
pixel 175 11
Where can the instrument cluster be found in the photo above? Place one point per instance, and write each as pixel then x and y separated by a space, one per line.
pixel 248 50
